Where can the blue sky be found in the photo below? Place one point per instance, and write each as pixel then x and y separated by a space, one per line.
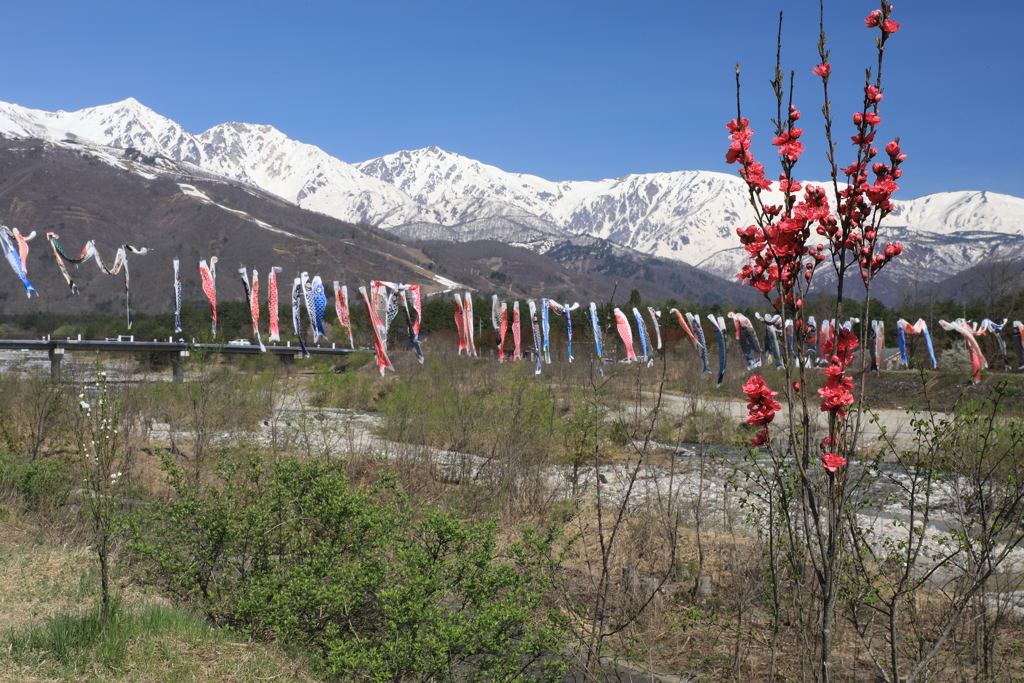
pixel 563 90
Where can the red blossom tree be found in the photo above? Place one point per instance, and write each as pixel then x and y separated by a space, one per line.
pixel 796 230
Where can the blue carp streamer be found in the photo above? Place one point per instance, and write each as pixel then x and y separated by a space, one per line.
pixel 596 325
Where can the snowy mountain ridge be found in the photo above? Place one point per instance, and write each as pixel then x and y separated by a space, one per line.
pixel 434 194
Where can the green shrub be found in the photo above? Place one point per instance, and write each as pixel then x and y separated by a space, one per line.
pixel 373 589
pixel 45 484
pixel 40 485
pixel 347 390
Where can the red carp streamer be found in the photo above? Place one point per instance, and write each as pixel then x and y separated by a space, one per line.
pixel 378 331
pixel 978 362
pixel 209 275
pixel 625 332
pixel 517 333
pixel 341 308
pixel 275 330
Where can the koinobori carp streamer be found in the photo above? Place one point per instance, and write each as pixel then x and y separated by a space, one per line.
pixel 460 326
pixel 467 310
pixel 517 332
pixel 750 347
pixel 61 257
pixel 878 343
pixel 502 330
pixel 625 333
pixel 319 305
pixel 1018 342
pixel 686 323
pixel 772 322
pixel 23 241
pixel 718 325
pixel 413 327
pixel 307 297
pixel 386 297
pixel 545 327
pixel 978 362
pixel 986 327
pixel 497 322
pixel 275 330
pixel 252 300
pixel 596 326
pixel 341 308
pixel 7 240
pixel 535 326
pixel 378 331
pixel 702 347
pixel 89 251
pixel 641 329
pixel 208 274
pixel 567 309
pixel 177 298
pixel 297 296
pixel 655 316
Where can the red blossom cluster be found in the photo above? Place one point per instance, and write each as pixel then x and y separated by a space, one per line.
pixel 837 393
pixel 831 460
pixel 863 205
pixel 779 248
pixel 761 406
pixel 752 171
pixel 878 19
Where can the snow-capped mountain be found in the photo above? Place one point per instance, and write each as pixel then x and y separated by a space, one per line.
pixel 258 155
pixel 685 215
pixel 434 194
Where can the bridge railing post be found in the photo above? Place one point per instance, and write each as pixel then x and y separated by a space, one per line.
pixel 178 365
pixel 56 356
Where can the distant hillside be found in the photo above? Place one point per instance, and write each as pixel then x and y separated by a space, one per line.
pixel 988 282
pixel 124 197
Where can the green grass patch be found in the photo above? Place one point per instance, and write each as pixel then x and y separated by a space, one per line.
pixel 151 642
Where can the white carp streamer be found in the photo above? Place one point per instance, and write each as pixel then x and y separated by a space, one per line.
pixel 177 298
pixel 655 316
pixel 88 252
pixel 536 336
pixel 467 310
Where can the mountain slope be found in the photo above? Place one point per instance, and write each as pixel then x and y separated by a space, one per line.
pixel 125 197
pixel 432 194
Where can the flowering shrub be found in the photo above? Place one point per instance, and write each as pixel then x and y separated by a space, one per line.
pixel 797 228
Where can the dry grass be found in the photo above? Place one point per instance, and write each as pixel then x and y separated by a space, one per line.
pixel 42 584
